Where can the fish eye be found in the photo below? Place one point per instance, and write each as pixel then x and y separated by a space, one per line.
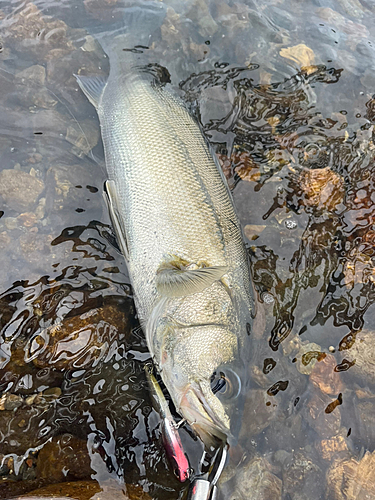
pixel 225 384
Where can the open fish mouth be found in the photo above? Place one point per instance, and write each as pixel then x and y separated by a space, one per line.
pixel 209 421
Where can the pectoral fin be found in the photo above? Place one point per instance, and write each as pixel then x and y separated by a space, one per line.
pixel 110 196
pixel 174 282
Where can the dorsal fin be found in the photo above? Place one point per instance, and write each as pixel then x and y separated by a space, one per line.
pixel 92 87
pixel 176 282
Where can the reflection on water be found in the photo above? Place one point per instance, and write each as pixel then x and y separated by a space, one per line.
pixel 284 93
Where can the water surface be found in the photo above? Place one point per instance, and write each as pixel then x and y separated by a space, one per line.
pixel 285 93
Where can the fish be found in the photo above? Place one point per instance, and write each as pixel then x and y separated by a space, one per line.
pixel 171 438
pixel 176 224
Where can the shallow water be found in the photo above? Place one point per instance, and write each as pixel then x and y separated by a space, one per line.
pixel 284 93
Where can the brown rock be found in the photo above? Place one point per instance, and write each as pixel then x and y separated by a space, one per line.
pixel 300 54
pixel 102 9
pixel 307 357
pixel 34 247
pixel 33 74
pixel 27 219
pixel 34 33
pixel 258 413
pixel 323 188
pixel 361 356
pixel 254 480
pixel 24 428
pixel 252 231
pixel 79 341
pixel 87 490
pixel 302 478
pixel 366 422
pixel 329 448
pixel 84 137
pixel 64 458
pixel 325 377
pixel 19 190
pixel 10 401
pixel 351 479
pixel 61 187
pixel 322 417
pixel 200 15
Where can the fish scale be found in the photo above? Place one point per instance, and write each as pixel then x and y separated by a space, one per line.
pixel 163 186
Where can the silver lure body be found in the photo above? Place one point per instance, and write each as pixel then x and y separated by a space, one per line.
pixel 174 214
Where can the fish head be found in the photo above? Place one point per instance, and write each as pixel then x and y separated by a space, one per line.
pixel 203 371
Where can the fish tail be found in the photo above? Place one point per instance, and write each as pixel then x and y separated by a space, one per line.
pixel 142 19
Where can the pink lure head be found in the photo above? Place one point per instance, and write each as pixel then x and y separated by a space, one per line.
pixel 174 450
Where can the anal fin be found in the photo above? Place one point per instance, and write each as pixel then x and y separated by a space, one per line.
pixel 111 199
pixel 92 87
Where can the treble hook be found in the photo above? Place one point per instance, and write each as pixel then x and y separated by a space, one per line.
pixel 204 487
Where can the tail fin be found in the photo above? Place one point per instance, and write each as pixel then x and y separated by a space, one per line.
pixel 141 20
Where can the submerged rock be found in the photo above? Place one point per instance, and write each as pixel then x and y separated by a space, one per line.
pixel 334 447
pixel 258 413
pixel 84 136
pixel 19 190
pixel 352 479
pixel 87 490
pixel 323 188
pixel 322 415
pixel 64 458
pixel 361 356
pixel 31 32
pixel 302 478
pixel 253 480
pixel 77 342
pixel 325 376
pixel 66 188
pixel 33 74
pixel 25 427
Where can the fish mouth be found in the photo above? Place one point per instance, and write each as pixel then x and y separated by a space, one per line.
pixel 208 420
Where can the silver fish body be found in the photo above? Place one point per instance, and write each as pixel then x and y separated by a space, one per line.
pixel 179 232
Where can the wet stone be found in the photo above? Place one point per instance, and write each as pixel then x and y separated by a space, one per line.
pixel 252 231
pixel 19 190
pixel 77 342
pixel 64 458
pixel 365 425
pixel 325 377
pixel 307 357
pixel 362 353
pixel 84 137
pixel 258 413
pixel 323 188
pixel 62 192
pixel 35 247
pixel 25 427
pixel 314 411
pixel 334 447
pixel 102 9
pixel 352 479
pixel 10 401
pixel 87 490
pixel 34 33
pixel 302 478
pixel 200 15
pixel 286 433
pixel 254 480
pixel 33 74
